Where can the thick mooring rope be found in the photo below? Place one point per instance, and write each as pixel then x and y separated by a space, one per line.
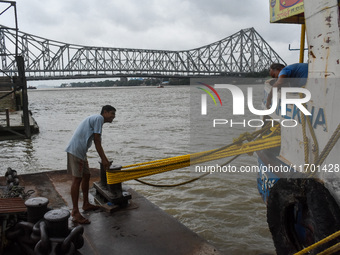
pixel 238 147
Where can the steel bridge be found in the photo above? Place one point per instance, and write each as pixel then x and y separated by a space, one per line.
pixel 243 52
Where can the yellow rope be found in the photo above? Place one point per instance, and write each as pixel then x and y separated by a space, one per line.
pixel 315 149
pixel 318 161
pixel 182 183
pixel 328 148
pixel 331 250
pixel 315 140
pixel 305 138
pixel 139 170
pixel 317 244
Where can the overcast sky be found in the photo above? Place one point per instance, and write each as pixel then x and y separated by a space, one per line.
pixel 153 24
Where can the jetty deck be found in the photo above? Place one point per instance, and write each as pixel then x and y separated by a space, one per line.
pixel 141 228
pixel 12 127
pixel 14 110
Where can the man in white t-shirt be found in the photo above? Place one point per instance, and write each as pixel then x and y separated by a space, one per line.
pixel 88 131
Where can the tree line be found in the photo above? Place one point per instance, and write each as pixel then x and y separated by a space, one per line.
pixel 126 82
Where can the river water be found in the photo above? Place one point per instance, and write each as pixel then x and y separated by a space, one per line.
pixel 151 123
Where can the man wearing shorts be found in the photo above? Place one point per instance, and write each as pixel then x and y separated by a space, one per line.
pixel 89 130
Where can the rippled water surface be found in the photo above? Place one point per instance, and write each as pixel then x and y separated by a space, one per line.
pixel 151 123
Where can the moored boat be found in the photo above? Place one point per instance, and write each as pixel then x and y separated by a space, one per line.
pixel 303 202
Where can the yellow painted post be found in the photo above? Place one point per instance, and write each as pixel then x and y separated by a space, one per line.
pixel 302 43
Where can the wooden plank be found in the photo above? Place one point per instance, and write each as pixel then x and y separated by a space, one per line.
pixel 12 205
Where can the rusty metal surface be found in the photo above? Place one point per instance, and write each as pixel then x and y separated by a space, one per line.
pixel 12 205
pixel 141 228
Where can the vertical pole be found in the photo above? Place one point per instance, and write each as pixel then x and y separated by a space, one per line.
pixel 252 64
pixel 16 27
pixel 7 117
pixel 241 52
pixel 22 78
pixel 302 43
pixel 25 111
pixel 23 83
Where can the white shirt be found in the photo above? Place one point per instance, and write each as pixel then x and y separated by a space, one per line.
pixel 82 138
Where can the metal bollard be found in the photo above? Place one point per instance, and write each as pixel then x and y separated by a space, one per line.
pixel 115 189
pixel 36 208
pixel 111 192
pixel 57 222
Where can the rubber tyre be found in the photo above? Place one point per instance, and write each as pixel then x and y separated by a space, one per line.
pixel 320 210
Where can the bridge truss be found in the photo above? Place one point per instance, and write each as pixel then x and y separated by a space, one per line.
pixel 243 52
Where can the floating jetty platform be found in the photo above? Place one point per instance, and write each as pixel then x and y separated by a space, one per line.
pixel 16 121
pixel 12 126
pixel 139 227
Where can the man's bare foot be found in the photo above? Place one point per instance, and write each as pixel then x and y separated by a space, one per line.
pixel 80 219
pixel 90 207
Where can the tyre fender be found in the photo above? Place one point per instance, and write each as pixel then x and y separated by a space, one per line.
pixel 301 212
